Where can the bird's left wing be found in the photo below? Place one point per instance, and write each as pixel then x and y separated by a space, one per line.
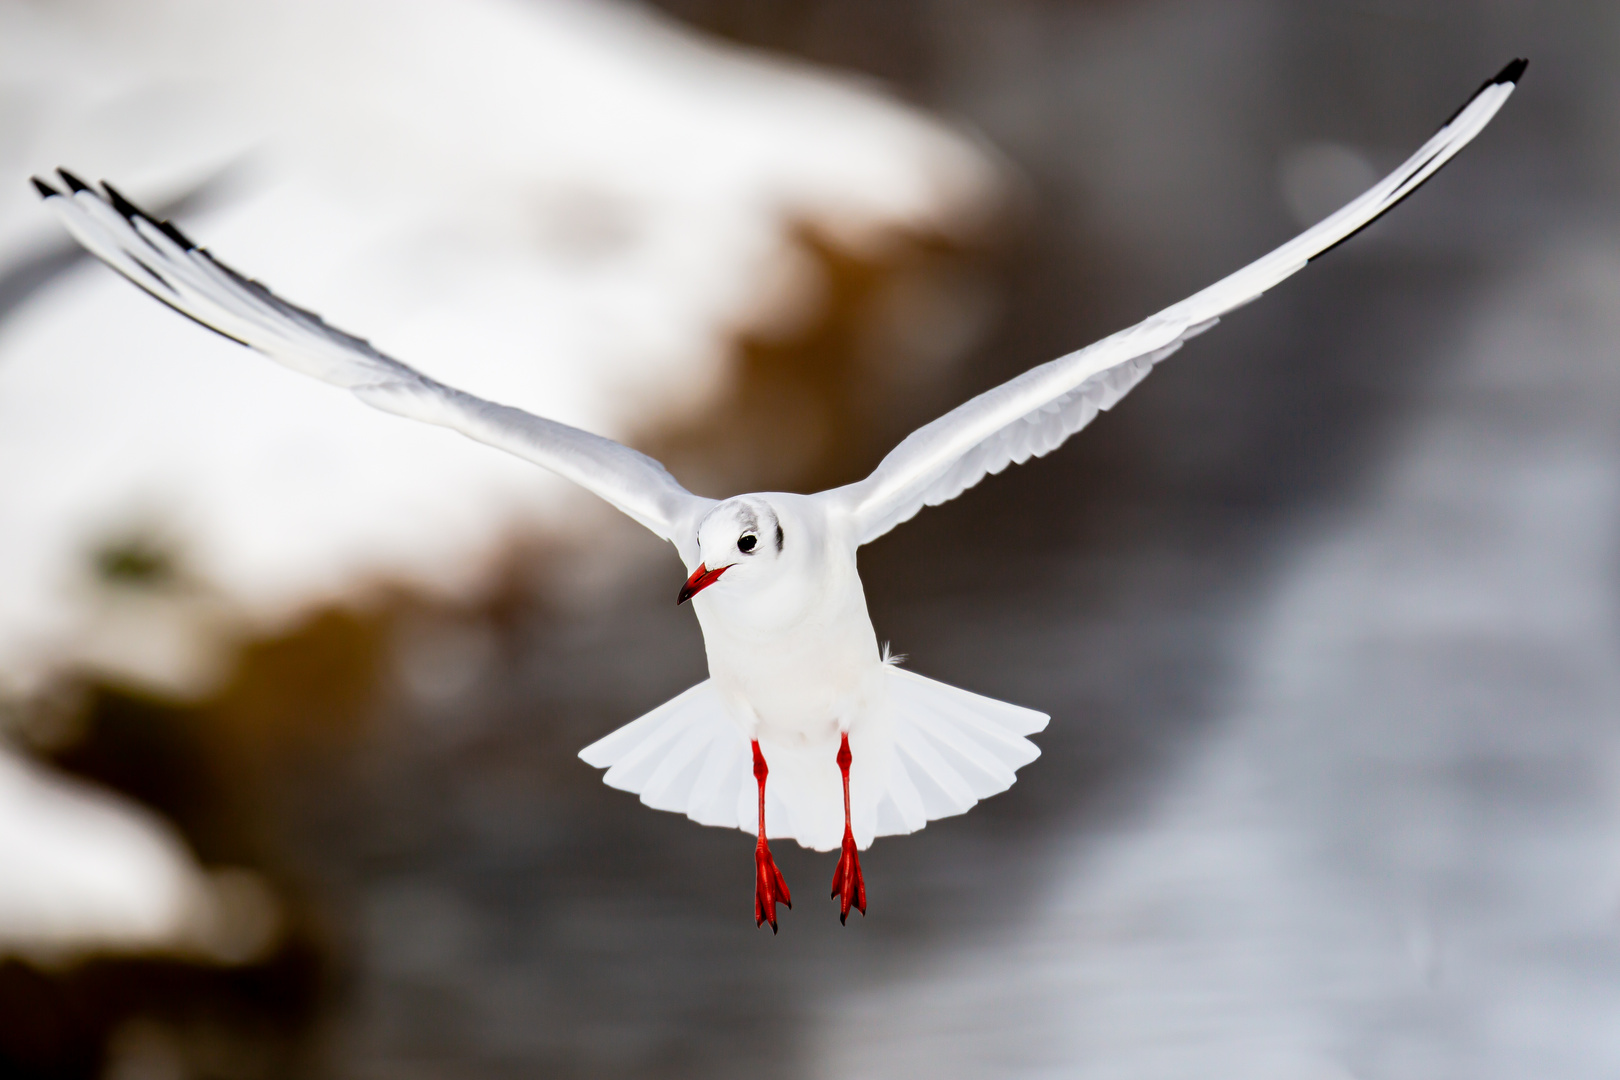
pixel 158 258
pixel 1032 414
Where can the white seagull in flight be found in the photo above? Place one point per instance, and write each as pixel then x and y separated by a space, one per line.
pixel 798 689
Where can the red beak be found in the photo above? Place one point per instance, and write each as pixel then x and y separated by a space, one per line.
pixel 701 579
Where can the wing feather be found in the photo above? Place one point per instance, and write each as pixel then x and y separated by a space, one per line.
pixel 156 257
pixel 1033 414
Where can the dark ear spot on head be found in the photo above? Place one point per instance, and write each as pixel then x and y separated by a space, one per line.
pixel 779 538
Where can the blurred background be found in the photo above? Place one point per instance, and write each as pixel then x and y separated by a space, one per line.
pixel 1324 613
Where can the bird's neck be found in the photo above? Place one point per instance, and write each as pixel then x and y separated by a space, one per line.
pixel 819 589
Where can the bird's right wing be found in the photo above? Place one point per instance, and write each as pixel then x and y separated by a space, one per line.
pixel 1035 412
pixel 155 256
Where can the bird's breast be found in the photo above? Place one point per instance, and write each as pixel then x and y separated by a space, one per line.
pixel 802 679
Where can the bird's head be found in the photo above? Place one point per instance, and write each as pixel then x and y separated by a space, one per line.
pixel 740 541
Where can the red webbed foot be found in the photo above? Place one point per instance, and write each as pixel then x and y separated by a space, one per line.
pixel 769 887
pixel 848 886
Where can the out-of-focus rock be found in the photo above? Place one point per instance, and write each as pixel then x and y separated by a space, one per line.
pixel 86 871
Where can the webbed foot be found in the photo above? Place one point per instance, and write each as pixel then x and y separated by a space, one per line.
pixel 848 886
pixel 769 887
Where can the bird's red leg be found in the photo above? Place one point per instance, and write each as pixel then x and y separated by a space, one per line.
pixel 848 884
pixel 769 888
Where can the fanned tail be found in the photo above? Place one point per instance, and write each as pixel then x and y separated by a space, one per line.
pixel 951 748
pixel 935 751
pixel 685 756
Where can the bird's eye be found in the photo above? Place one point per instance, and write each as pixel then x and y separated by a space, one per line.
pixel 746 542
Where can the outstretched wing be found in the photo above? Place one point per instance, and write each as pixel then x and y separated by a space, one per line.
pixel 1032 414
pixel 158 258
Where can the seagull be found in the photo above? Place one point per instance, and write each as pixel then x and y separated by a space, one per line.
pixel 805 728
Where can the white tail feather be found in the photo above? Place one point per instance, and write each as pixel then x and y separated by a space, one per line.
pixel 937 752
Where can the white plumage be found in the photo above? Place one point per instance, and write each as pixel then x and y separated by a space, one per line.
pixel 795 668
pixel 948 749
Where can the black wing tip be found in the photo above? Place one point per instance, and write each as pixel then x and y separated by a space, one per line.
pixel 1512 73
pixel 45 190
pixel 73 182
pixel 177 236
pixel 1508 76
pixel 131 212
pixel 121 204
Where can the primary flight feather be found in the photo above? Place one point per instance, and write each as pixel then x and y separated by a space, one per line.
pixel 799 692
